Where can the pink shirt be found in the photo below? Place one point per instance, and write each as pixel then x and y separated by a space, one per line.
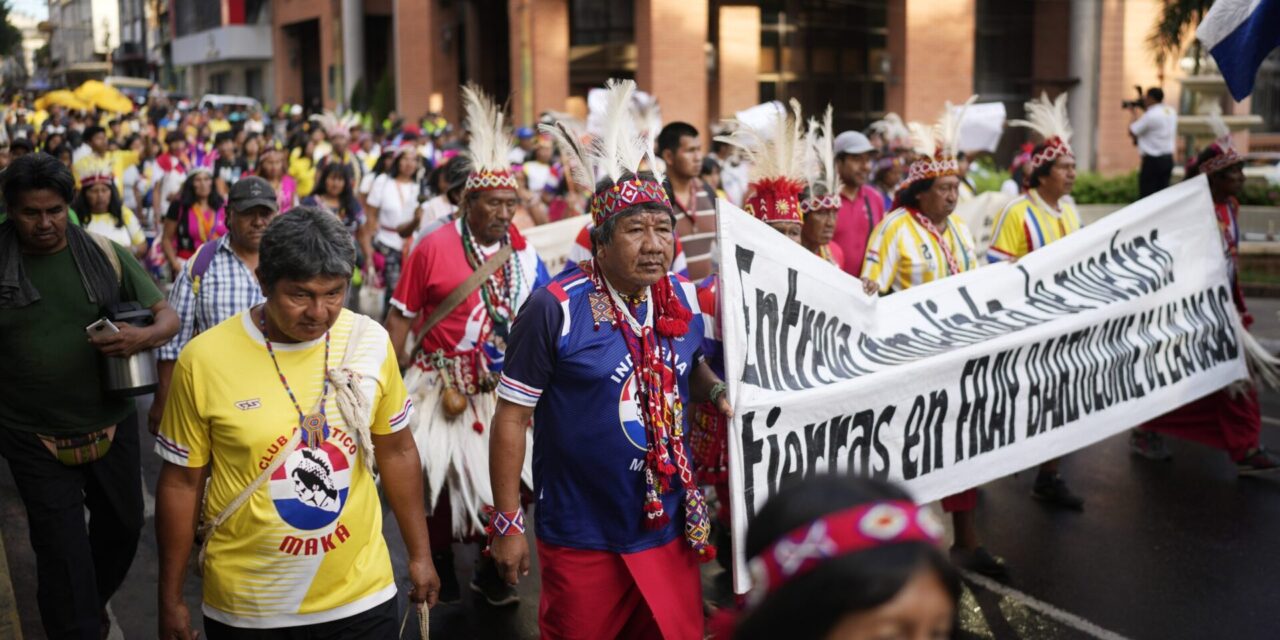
pixel 854 223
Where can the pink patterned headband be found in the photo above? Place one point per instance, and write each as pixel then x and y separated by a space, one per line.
pixel 490 181
pixel 624 195
pixel 855 529
pixel 1054 148
pixel 820 203
pixel 1228 157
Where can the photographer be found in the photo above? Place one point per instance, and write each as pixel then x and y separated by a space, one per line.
pixel 1153 125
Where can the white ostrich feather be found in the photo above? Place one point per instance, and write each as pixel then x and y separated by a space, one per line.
pixel 777 151
pixel 823 178
pixel 923 141
pixel 333 124
pixel 1216 124
pixel 1047 118
pixel 574 155
pixel 947 131
pixel 892 129
pixel 617 136
pixel 490 140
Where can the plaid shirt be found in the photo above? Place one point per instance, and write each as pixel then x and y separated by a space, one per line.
pixel 227 288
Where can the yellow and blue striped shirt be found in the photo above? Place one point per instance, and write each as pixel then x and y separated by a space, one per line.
pixel 903 253
pixel 1028 223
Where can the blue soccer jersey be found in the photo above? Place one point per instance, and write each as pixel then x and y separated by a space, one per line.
pixel 588 440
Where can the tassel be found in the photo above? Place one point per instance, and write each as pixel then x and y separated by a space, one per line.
pixel 477 426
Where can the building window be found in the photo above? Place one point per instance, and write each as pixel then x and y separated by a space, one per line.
pixel 253 83
pixel 1266 93
pixel 218 82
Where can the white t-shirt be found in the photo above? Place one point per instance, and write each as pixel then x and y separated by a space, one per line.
pixel 1156 131
pixel 371 187
pixel 396 203
pixel 126 236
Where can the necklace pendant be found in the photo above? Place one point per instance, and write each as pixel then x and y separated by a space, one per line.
pixel 313 427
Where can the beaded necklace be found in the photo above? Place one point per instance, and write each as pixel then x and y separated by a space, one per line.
pixel 312 424
pixel 500 290
pixel 953 267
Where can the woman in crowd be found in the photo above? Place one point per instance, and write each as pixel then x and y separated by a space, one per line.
pixel 880 574
pixel 334 193
pixel 194 218
pixel 102 212
pixel 252 152
pixel 272 168
pixel 393 215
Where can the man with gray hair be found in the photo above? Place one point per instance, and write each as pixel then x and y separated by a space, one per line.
pixel 289 404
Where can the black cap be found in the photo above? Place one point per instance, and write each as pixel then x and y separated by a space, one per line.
pixel 252 191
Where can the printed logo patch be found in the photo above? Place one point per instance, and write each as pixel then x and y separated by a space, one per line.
pixel 249 405
pixel 310 488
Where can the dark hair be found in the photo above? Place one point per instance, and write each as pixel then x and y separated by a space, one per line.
pixel 709 165
pixel 347 199
pixel 812 604
pixel 1156 93
pixel 910 196
pixel 174 136
pixel 35 171
pixel 670 136
pixel 91 131
pixel 1206 154
pixel 305 243
pixel 115 206
pixel 187 197
pixel 23 143
pixel 603 234
pixel 380 166
pixel 225 136
pixel 393 171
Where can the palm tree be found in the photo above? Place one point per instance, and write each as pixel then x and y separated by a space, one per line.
pixel 1177 18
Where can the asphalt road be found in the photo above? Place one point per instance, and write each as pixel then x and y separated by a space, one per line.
pixel 1178 549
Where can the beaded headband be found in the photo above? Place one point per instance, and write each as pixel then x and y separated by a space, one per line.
pixel 855 529
pixel 775 200
pixel 624 195
pixel 1227 157
pixel 930 168
pixel 490 181
pixel 102 177
pixel 1054 148
pixel 820 203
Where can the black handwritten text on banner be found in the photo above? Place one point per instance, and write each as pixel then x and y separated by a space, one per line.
pixel 965 380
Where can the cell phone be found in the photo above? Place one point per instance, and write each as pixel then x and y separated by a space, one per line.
pixel 103 327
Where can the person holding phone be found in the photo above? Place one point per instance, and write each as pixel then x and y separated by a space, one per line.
pixel 69 445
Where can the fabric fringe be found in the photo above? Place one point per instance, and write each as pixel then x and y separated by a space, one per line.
pixel 1263 366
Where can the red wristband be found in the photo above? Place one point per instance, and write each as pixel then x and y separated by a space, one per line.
pixel 505 523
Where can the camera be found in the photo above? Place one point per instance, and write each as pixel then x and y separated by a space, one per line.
pixel 1134 104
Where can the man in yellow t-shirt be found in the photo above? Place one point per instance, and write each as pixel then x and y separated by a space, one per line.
pixel 305 550
pixel 1045 214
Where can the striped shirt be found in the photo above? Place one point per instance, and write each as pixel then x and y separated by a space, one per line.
pixel 1028 223
pixel 903 254
pixel 226 288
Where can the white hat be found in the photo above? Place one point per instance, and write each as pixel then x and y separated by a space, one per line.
pixel 852 142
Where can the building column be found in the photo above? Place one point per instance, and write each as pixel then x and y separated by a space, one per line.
pixel 1085 41
pixel 414 53
pixel 671 37
pixel 330 55
pixel 352 49
pixel 286 66
pixel 738 59
pixel 931 48
pixel 539 57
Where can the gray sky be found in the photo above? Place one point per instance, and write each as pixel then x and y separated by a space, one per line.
pixel 37 8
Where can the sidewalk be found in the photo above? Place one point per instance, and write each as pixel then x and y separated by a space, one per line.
pixel 9 623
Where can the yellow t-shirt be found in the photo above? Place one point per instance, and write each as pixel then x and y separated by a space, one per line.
pixel 307 547
pixel 303 171
pixel 1027 223
pixel 903 254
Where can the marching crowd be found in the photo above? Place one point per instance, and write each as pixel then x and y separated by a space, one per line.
pixel 246 252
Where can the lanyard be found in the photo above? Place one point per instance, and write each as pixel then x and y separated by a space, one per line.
pixel 952 266
pixel 313 424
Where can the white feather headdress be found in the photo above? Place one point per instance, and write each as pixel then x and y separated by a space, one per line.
pixel 1227 154
pixel 892 130
pixel 489 144
pixel 1048 118
pixel 824 181
pixel 336 125
pixel 776 154
pixel 937 146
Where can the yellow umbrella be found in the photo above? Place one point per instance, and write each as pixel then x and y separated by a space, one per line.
pixel 104 97
pixel 61 98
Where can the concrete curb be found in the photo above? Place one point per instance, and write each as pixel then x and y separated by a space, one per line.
pixel 10 626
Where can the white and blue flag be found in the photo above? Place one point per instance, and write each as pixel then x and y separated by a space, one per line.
pixel 1239 34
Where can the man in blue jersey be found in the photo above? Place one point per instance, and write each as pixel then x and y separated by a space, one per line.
pixel 604 360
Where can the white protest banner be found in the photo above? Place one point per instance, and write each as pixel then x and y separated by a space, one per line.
pixel 982 127
pixel 965 380
pixel 554 241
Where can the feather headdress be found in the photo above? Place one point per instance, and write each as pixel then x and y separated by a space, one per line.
pixel 618 153
pixel 1048 118
pixel 776 153
pixel 336 125
pixel 892 130
pixel 490 142
pixel 937 146
pixel 1227 154
pixel 824 181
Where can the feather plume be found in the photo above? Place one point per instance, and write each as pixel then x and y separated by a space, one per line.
pixel 778 151
pixel 823 179
pixel 1216 124
pixel 608 149
pixel 1047 118
pixel 892 130
pixel 572 152
pixel 334 124
pixel 947 131
pixel 923 142
pixel 490 140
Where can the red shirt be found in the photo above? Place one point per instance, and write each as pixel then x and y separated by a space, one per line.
pixel 854 223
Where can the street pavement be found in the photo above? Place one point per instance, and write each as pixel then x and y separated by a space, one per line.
pixel 1176 549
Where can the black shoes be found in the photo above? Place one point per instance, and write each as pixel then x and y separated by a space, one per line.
pixel 979 561
pixel 1052 490
pixel 490 586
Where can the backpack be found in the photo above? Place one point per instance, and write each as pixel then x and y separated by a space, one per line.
pixel 199 264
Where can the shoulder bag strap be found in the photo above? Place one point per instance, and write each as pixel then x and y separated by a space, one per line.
pixel 461 293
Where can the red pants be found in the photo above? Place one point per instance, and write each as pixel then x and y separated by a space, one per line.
pixel 1216 420
pixel 655 593
pixel 966 500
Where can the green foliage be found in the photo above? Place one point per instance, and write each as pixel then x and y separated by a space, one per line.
pixel 359 98
pixel 10 36
pixel 1260 193
pixel 1176 20
pixel 384 97
pixel 986 176
pixel 1093 188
